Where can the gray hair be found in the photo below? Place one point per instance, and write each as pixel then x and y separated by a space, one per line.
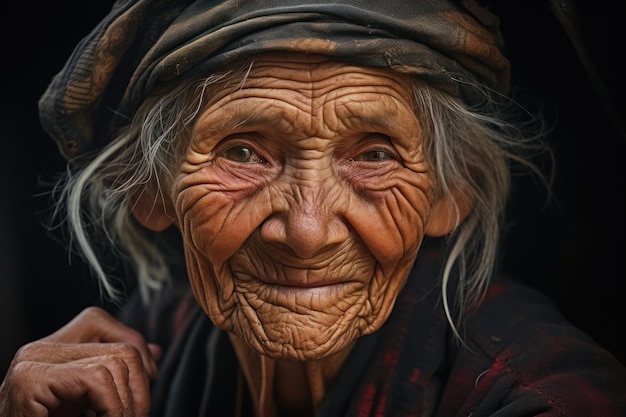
pixel 474 150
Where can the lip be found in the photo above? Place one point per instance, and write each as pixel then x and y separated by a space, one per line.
pixel 300 294
pixel 303 278
pixel 317 291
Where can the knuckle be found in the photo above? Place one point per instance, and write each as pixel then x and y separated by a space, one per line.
pixel 15 398
pixel 129 352
pixel 116 365
pixel 100 373
pixel 20 373
pixel 27 351
pixel 92 312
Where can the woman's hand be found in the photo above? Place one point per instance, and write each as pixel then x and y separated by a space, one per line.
pixel 92 364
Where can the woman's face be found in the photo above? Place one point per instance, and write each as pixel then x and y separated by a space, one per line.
pixel 302 201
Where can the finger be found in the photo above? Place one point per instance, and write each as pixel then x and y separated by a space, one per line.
pixel 107 367
pixel 39 389
pixel 129 372
pixel 129 375
pixel 132 387
pixel 95 325
pixel 41 351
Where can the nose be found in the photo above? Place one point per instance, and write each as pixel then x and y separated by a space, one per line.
pixel 309 225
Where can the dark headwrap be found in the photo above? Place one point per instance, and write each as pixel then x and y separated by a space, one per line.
pixel 147 46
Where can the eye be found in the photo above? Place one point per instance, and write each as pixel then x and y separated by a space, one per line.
pixel 377 155
pixel 372 148
pixel 242 154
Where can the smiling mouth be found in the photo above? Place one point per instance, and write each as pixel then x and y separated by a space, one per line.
pixel 301 296
pixel 303 280
pixel 317 290
pixel 300 278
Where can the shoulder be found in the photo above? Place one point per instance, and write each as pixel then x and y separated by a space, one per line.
pixel 534 360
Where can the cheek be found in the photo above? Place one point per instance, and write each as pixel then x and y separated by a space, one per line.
pixel 202 214
pixel 203 217
pixel 215 221
pixel 391 218
pixel 213 295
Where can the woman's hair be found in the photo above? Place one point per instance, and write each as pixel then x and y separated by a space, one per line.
pixel 474 151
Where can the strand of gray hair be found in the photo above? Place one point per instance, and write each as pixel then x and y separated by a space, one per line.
pixel 472 150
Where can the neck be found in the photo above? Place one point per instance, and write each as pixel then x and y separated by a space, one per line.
pixel 285 388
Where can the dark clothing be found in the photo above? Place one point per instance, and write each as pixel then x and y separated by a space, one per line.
pixel 520 358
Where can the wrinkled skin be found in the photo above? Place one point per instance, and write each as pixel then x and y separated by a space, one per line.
pixel 303 200
pixel 93 363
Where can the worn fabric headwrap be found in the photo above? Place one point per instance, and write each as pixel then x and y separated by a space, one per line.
pixel 146 46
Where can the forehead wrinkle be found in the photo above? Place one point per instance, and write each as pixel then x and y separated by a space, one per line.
pixel 397 121
pixel 223 119
pixel 324 124
pixel 301 113
pixel 328 110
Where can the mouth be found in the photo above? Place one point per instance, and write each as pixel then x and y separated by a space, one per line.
pixel 333 299
pixel 299 283
pixel 303 278
pixel 319 291
pixel 308 281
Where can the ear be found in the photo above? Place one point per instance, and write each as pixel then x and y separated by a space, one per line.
pixel 447 212
pixel 151 209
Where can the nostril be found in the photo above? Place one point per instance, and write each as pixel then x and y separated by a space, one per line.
pixel 305 234
pixel 274 229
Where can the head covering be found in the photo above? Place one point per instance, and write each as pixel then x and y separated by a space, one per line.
pixel 147 46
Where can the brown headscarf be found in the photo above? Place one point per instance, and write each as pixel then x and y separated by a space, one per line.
pixel 146 46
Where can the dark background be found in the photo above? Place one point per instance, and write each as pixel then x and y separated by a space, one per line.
pixel 573 249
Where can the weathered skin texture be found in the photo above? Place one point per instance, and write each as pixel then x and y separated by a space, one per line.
pixel 92 363
pixel 303 198
pixel 302 202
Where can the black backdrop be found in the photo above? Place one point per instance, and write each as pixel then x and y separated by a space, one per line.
pixel 573 250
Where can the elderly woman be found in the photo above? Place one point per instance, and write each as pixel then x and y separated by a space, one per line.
pixel 309 195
